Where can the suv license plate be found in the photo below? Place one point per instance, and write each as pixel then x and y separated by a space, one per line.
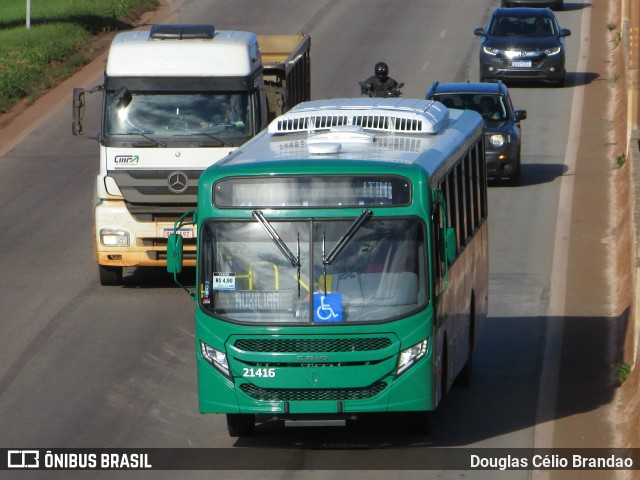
pixel 521 63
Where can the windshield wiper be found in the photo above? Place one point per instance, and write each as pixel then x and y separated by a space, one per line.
pixel 346 237
pixel 144 135
pixel 293 260
pixel 222 142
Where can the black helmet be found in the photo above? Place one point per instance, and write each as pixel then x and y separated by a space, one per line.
pixel 382 70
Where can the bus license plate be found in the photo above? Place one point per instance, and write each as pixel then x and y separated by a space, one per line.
pixel 521 63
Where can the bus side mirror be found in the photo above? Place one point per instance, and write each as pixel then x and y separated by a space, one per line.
pixel 174 253
pixel 450 244
pixel 78 111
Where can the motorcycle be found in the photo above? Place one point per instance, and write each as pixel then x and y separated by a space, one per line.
pixel 367 89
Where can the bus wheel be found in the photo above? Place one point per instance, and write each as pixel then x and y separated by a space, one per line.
pixel 419 423
pixel 464 377
pixel 241 424
pixel 110 276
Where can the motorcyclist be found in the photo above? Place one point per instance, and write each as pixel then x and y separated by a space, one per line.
pixel 380 84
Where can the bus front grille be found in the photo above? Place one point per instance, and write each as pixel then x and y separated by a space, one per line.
pixel 308 345
pixel 307 394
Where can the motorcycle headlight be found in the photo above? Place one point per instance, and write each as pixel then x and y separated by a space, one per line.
pixel 552 51
pixel 497 140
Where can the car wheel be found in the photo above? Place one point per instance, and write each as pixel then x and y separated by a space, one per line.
pixel 514 180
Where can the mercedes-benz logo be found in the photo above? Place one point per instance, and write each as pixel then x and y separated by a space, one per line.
pixel 177 182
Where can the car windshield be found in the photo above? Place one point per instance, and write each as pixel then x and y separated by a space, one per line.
pixel 290 272
pixel 490 106
pixel 522 26
pixel 175 115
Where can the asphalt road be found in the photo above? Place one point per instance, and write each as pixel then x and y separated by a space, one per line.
pixel 88 366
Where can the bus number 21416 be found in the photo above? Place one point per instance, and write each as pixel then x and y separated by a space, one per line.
pixel 259 372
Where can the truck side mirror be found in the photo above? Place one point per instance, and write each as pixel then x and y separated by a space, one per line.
pixel 77 127
pixel 174 253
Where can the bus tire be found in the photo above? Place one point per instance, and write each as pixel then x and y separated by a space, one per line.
pixel 464 377
pixel 241 424
pixel 419 423
pixel 110 276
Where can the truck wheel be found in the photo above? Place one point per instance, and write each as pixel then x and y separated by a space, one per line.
pixel 241 424
pixel 110 276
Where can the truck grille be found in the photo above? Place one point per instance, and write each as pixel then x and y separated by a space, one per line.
pixel 152 186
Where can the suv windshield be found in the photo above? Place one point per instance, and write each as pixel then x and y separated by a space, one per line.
pixel 491 107
pixel 174 116
pixel 248 276
pixel 522 26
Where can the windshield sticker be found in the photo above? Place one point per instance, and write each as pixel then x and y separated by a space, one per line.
pixel 328 307
pixel 224 281
pixel 205 292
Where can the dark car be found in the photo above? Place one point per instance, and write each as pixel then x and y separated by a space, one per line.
pixel 554 4
pixel 503 135
pixel 523 44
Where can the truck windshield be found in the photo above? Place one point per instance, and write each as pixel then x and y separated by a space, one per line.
pixel 226 117
pixel 378 276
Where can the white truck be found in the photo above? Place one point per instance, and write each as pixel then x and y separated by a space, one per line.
pixel 178 98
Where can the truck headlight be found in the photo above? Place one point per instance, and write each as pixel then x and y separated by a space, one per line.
pixel 215 357
pixel 114 238
pixel 411 355
pixel 497 140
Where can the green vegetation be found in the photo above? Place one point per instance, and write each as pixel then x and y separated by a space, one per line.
pixel 621 160
pixel 616 40
pixel 32 60
pixel 623 370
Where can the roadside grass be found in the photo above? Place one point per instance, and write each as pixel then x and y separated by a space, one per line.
pixel 33 60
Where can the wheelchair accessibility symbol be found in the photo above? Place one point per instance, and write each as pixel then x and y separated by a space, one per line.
pixel 328 307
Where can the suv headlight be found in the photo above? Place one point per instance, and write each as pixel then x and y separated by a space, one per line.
pixel 497 140
pixel 552 51
pixel 490 50
pixel 411 355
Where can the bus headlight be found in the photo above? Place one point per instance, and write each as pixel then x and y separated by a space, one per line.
pixel 114 238
pixel 215 357
pixel 497 140
pixel 411 355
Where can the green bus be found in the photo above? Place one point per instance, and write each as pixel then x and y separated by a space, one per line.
pixel 342 264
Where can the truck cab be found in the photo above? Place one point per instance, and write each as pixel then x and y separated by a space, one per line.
pixel 177 98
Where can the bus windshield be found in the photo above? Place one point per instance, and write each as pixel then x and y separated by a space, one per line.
pixel 225 117
pixel 248 277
